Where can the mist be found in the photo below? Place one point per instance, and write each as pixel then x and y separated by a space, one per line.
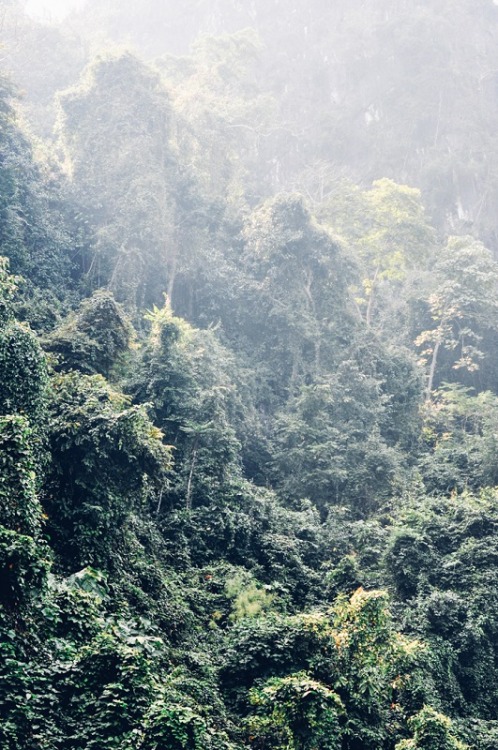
pixel 248 375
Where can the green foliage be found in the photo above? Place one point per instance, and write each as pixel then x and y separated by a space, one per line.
pixel 431 731
pixel 261 647
pixel 254 532
pixel 190 608
pixel 123 167
pixel 95 339
pixel 302 714
pixel 8 288
pixel 33 233
pixel 187 711
pixel 387 229
pixel 27 692
pixel 249 599
pixel 324 679
pixel 462 306
pixel 23 370
pixel 189 376
pixel 19 509
pixel 458 440
pixel 296 309
pixel 110 688
pixel 408 555
pixel 107 459
pixel 329 446
pixel 442 559
pixel 23 568
pixel 222 114
pixel 176 727
pixel 23 555
pixel 369 656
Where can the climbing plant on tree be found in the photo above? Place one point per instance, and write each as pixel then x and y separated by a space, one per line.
pixel 462 306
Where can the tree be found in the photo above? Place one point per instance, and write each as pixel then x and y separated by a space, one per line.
pixel 431 731
pixel 328 443
pixel 354 662
pixel 108 460
pixel 441 555
pixel 462 306
pixel 398 239
pixel 34 234
pixel 223 116
pixel 189 377
pixel 387 230
pixel 459 440
pixel 302 714
pixel 23 367
pixel 94 339
pixel 24 557
pixel 116 136
pixel 297 313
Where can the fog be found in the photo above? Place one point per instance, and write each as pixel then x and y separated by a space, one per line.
pixel 248 375
pixel 362 89
pixel 51 10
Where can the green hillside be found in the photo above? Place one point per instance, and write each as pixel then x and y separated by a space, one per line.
pixel 249 376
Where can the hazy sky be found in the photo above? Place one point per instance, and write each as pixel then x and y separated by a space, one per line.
pixel 51 8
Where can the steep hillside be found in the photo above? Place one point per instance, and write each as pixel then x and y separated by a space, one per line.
pixel 248 378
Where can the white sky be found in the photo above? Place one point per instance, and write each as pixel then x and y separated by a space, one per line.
pixel 51 9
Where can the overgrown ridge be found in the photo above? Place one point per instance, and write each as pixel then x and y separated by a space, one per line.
pixel 248 376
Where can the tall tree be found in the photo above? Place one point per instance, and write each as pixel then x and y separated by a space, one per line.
pixel 297 312
pixel 463 306
pixel 116 135
pixel 33 231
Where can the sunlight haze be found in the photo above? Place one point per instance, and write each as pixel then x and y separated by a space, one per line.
pixel 51 9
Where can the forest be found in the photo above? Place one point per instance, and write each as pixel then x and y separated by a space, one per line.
pixel 249 375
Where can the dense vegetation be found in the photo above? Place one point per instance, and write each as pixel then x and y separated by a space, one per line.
pixel 249 376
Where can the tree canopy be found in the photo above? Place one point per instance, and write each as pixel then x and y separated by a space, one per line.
pixel 249 376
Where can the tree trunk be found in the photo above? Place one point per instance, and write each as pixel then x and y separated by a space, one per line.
pixel 368 318
pixel 188 498
pixel 432 370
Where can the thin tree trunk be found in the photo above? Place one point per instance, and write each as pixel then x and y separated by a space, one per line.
pixel 188 498
pixel 312 308
pixel 159 502
pixel 368 319
pixel 432 370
